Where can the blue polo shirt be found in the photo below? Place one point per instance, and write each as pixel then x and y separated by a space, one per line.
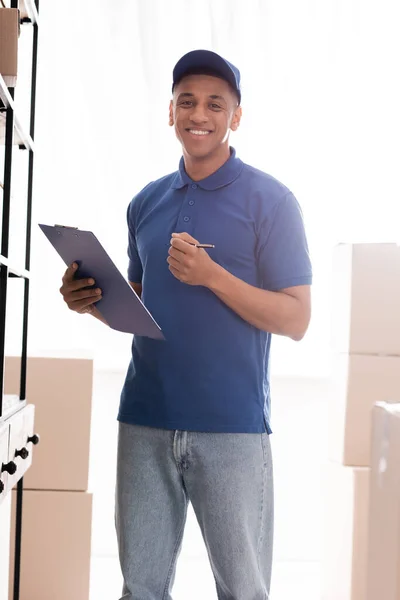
pixel 212 372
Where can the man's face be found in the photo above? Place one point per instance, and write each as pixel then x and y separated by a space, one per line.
pixel 203 110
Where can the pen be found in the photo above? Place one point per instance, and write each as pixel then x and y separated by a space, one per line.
pixel 202 245
pixel 198 245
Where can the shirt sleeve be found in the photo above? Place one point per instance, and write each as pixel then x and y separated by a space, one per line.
pixel 283 254
pixel 135 270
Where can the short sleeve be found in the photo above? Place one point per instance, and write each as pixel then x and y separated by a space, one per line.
pixel 135 270
pixel 282 252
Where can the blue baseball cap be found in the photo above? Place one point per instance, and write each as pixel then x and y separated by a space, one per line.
pixel 205 59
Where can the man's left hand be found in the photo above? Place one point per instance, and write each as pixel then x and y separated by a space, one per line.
pixel 189 264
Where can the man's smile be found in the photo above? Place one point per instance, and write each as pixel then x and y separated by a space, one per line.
pixel 199 132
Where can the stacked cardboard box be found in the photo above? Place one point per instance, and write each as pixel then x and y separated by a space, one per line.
pixel 57 508
pixel 383 560
pixel 9 33
pixel 366 369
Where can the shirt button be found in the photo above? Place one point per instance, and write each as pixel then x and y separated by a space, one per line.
pixel 186 219
pixel 194 186
pixel 191 202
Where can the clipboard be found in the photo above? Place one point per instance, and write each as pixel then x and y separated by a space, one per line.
pixel 120 305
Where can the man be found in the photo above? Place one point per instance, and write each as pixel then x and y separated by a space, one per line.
pixel 195 409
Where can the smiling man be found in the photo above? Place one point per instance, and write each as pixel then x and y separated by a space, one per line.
pixel 203 133
pixel 195 409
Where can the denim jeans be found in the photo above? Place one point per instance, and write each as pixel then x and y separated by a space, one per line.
pixel 227 477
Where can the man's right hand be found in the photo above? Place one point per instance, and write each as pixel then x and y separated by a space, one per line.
pixel 75 296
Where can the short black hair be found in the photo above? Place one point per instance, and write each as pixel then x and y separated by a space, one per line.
pixel 205 71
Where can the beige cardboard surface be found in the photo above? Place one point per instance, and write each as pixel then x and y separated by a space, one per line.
pixel 345 498
pixel 61 390
pixel 56 545
pixel 9 31
pixel 358 382
pixel 384 519
pixel 366 299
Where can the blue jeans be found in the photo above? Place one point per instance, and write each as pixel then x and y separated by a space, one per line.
pixel 227 477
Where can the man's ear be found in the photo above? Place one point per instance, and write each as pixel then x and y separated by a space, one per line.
pixel 171 113
pixel 236 118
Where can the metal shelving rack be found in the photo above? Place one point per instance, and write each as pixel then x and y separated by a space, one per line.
pixel 16 138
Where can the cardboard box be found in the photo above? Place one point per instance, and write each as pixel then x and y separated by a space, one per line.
pixel 384 520
pixel 358 382
pixel 344 532
pixel 56 545
pixel 61 390
pixel 23 11
pixel 366 299
pixel 9 32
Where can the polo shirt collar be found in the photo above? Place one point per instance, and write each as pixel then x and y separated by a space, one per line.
pixel 224 176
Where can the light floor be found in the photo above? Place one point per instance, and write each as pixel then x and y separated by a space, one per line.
pixel 299 424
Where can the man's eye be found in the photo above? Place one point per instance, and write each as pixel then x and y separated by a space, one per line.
pixel 215 106
pixel 186 102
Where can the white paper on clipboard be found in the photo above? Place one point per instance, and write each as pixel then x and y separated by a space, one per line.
pixel 120 305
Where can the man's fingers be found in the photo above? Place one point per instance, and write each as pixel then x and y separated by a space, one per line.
pixel 73 296
pixel 81 306
pixel 183 246
pixel 75 285
pixel 69 281
pixel 185 237
pixel 78 294
pixel 78 284
pixel 174 263
pixel 69 273
pixel 176 253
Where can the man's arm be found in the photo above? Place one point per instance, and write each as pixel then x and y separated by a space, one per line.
pixel 286 312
